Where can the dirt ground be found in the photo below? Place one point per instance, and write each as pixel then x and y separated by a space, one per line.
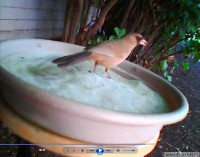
pixel 181 137
pixel 185 135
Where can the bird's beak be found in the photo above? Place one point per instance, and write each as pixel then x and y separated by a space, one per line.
pixel 143 42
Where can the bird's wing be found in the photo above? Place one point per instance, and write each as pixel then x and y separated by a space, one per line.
pixel 107 48
pixel 72 59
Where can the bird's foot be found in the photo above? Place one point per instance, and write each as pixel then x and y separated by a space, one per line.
pixel 108 75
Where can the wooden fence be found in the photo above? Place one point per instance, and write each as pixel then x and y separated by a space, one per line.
pixel 31 18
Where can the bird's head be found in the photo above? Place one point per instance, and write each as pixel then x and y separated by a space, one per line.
pixel 138 39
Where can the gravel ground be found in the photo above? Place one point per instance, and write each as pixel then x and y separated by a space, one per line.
pixel 181 137
pixel 185 135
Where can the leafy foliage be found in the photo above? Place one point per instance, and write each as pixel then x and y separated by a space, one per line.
pixel 185 65
pixel 119 33
pixel 171 27
pixel 101 38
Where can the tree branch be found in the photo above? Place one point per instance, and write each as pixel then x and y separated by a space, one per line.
pixel 124 21
pixel 84 21
pixel 100 21
pixel 178 52
pixel 142 12
pixel 131 19
pixel 176 42
pixel 68 18
pixel 153 11
pixel 143 25
pixel 76 19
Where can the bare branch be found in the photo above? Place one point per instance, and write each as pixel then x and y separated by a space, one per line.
pixel 151 6
pixel 76 19
pixel 176 42
pixel 100 21
pixel 144 25
pixel 68 18
pixel 84 21
pixel 141 15
pixel 124 21
pixel 132 21
pixel 178 52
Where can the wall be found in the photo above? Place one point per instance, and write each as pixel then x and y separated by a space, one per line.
pixel 31 18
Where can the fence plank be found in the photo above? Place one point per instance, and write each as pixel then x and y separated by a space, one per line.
pixel 9 25
pixel 43 34
pixel 37 4
pixel 18 13
pixel 31 18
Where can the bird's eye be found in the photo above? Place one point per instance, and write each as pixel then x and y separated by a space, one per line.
pixel 139 38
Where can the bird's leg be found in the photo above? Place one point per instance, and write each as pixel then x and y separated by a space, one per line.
pixel 106 70
pixel 95 66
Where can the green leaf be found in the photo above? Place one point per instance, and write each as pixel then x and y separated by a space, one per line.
pixel 181 33
pixel 196 57
pixel 99 39
pixel 189 25
pixel 170 52
pixel 112 37
pixel 186 51
pixel 158 67
pixel 185 65
pixel 165 73
pixel 186 14
pixel 192 53
pixel 104 33
pixel 163 65
pixel 90 42
pixel 194 43
pixel 187 43
pixel 175 64
pixel 169 78
pixel 194 29
pixel 117 31
pixel 122 32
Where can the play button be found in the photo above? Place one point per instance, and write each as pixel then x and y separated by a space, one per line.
pixel 100 150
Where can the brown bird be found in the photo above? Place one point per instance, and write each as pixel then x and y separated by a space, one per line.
pixel 108 54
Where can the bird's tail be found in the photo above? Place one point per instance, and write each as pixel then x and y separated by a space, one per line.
pixel 72 59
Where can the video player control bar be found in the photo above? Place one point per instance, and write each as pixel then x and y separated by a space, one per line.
pixel 99 150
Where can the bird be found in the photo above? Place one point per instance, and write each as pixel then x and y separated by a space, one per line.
pixel 108 54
